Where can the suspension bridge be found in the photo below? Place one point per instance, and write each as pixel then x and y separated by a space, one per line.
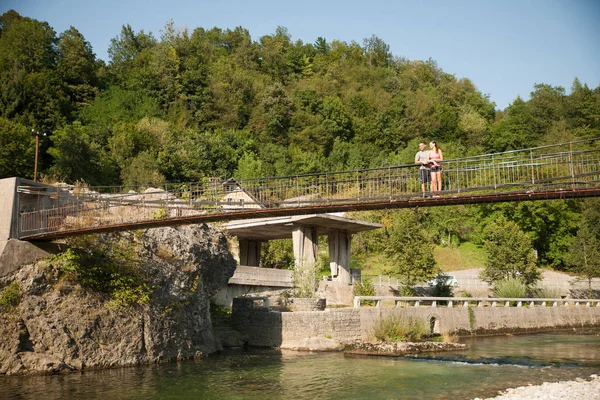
pixel 560 171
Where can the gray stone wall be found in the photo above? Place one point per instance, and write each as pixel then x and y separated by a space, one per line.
pixel 272 328
pixel 346 325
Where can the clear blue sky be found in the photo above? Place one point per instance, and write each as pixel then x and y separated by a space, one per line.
pixel 504 47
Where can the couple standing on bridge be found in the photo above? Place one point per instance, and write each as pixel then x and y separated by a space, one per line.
pixel 431 168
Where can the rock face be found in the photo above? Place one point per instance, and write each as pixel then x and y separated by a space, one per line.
pixel 60 326
pixel 402 348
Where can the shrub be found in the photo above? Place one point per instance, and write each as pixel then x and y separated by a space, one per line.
pixel 399 329
pixel 406 290
pixel 364 287
pixel 305 280
pixel 510 288
pixel 544 292
pixel 10 297
pixel 442 287
pixel 106 265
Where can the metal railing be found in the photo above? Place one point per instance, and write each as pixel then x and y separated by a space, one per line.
pixel 566 166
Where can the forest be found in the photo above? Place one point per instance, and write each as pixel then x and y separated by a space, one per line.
pixel 199 103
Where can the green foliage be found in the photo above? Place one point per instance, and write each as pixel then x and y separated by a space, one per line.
pixel 10 297
pixel 364 287
pixel 17 150
pixel 278 253
pixel 160 213
pixel 510 287
pixel 442 287
pixel 106 265
pixel 510 253
pixel 472 319
pixel 410 249
pixel 306 279
pixel 584 255
pixel 399 328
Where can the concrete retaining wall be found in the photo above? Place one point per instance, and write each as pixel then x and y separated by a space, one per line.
pixel 256 276
pixel 271 328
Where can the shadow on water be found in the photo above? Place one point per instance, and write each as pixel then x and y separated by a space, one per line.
pixel 491 364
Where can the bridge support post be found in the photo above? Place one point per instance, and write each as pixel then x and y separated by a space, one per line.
pixel 305 241
pixel 339 255
pixel 250 252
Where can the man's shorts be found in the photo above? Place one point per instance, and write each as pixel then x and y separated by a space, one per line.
pixel 424 175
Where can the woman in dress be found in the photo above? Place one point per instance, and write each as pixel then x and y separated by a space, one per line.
pixel 435 158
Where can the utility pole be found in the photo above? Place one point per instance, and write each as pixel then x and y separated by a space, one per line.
pixel 37 147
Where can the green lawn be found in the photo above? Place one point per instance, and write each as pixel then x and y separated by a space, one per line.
pixel 466 256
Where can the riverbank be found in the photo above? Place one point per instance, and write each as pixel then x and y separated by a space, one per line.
pixel 577 389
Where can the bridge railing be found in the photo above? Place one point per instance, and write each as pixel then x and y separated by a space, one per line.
pixel 557 167
pixel 566 166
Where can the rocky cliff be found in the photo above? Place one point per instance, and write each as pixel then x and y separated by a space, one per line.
pixel 59 325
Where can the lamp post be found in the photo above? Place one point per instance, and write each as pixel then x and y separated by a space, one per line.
pixel 37 146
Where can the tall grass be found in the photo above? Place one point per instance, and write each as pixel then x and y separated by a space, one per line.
pixel 545 292
pixel 510 288
pixel 399 328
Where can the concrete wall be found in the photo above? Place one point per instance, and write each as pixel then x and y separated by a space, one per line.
pixel 270 328
pixel 254 281
pixel 256 276
pixel 8 209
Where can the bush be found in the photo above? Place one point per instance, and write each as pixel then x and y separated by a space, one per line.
pixel 406 290
pixel 510 288
pixel 399 329
pixel 10 297
pixel 106 265
pixel 544 292
pixel 442 287
pixel 364 287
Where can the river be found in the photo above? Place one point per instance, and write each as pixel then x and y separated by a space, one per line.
pixel 491 364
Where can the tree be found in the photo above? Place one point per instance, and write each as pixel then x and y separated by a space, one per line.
pixel 75 156
pixel 17 147
pixel 509 253
pixel 378 52
pixel 584 255
pixel 77 66
pixel 410 248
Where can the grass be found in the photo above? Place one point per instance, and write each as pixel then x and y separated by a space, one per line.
pixel 398 328
pixel 465 256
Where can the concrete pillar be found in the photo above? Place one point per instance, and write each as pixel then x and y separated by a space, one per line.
pixel 339 255
pixel 305 240
pixel 250 252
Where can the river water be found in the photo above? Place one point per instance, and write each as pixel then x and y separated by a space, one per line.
pixel 491 364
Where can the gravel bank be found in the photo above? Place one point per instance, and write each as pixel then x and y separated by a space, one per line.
pixel 572 390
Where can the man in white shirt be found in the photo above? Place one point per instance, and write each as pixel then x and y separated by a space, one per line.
pixel 421 158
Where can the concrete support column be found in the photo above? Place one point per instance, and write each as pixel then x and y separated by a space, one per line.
pixel 249 252
pixel 306 241
pixel 339 255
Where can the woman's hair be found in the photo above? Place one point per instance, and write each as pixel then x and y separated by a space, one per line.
pixel 436 146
